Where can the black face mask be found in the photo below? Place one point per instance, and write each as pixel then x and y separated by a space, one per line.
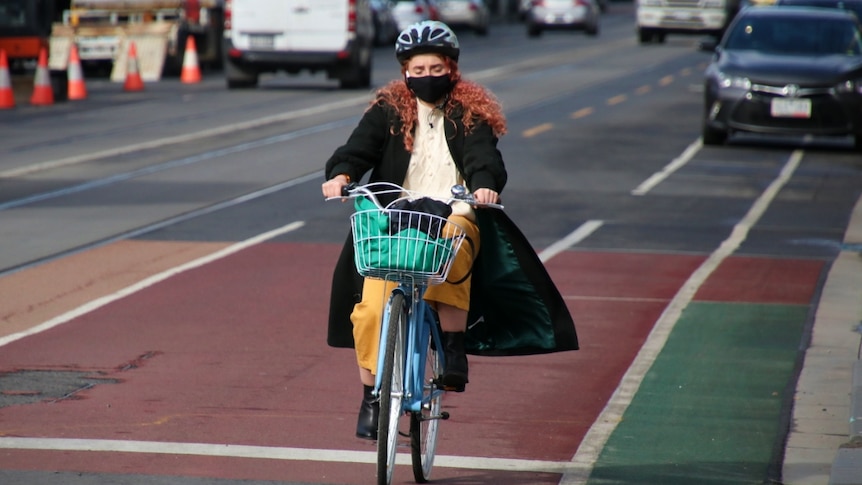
pixel 430 88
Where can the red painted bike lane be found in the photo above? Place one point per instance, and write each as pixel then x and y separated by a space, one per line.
pixel 233 354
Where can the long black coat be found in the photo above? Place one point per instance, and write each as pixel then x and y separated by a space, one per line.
pixel 514 306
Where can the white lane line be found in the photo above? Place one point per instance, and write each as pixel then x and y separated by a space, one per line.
pixel 170 140
pixel 172 164
pixel 576 236
pixel 669 169
pixel 598 434
pixel 273 453
pixel 104 300
pixel 492 73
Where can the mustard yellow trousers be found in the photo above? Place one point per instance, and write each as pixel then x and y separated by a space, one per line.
pixel 368 313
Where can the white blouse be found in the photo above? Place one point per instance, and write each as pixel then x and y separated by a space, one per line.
pixel 432 170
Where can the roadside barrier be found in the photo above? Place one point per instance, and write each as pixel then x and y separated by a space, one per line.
pixel 76 87
pixel 191 70
pixel 43 93
pixel 133 75
pixel 7 96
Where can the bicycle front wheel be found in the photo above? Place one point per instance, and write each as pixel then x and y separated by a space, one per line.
pixel 423 424
pixel 391 388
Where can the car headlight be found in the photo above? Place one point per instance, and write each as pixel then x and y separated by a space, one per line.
pixel 850 87
pixel 737 82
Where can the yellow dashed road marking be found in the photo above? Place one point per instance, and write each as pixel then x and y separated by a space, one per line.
pixel 582 113
pixel 665 80
pixel 643 89
pixel 529 133
pixel 616 99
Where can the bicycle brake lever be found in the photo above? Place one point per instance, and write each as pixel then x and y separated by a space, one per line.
pixel 345 190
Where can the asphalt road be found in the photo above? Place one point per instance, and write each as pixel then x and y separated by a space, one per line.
pixel 166 257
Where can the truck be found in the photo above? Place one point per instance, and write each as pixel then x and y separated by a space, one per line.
pixel 103 29
pixel 657 18
pixel 25 27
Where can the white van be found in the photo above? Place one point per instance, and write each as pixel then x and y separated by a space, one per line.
pixel 335 36
pixel 657 18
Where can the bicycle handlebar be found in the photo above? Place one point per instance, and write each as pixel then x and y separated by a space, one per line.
pixel 459 194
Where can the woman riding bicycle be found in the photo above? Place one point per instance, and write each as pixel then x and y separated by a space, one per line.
pixel 428 131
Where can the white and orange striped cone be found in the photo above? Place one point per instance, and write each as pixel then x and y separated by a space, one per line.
pixel 43 94
pixel 7 96
pixel 191 70
pixel 133 75
pixel 76 87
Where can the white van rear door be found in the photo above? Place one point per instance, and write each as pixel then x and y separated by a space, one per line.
pixel 290 25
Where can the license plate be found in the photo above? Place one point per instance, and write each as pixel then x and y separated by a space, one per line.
pixel 680 15
pixel 790 108
pixel 261 41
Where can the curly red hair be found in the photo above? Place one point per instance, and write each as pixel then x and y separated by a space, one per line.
pixel 477 103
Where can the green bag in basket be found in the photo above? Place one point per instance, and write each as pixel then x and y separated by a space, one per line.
pixel 410 249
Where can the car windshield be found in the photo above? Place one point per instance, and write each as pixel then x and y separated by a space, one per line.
pixel 796 36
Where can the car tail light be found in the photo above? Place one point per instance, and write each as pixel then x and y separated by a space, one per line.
pixel 351 16
pixel 228 16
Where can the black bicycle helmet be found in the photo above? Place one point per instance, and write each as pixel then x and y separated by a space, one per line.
pixel 429 36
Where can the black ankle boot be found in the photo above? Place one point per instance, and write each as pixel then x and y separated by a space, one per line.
pixel 369 410
pixel 455 372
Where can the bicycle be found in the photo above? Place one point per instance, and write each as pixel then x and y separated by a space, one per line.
pixel 409 365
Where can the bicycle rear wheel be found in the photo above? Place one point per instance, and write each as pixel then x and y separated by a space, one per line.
pixel 391 389
pixel 423 425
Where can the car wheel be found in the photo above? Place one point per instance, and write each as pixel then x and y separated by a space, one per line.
pixel 482 31
pixel 533 31
pixel 712 136
pixel 357 76
pixel 238 78
pixel 593 30
pixel 857 143
pixel 644 36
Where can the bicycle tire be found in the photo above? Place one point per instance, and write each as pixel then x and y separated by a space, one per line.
pixel 391 389
pixel 423 424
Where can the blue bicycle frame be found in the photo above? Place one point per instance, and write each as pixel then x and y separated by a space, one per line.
pixel 421 326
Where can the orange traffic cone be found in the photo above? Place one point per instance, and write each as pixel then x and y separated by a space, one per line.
pixel 7 97
pixel 77 90
pixel 43 95
pixel 191 70
pixel 133 76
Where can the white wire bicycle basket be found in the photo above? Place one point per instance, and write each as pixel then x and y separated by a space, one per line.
pixel 403 245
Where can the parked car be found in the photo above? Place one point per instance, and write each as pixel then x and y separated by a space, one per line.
pixel 407 12
pixel 786 70
pixel 563 15
pixel 291 36
pixel 524 7
pixel 472 14
pixel 385 26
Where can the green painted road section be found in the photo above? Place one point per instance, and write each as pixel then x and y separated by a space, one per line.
pixel 709 410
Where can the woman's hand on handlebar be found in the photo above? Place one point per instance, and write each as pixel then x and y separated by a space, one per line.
pixel 486 196
pixel 333 187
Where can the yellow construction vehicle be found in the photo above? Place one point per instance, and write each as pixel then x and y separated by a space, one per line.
pixel 103 30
